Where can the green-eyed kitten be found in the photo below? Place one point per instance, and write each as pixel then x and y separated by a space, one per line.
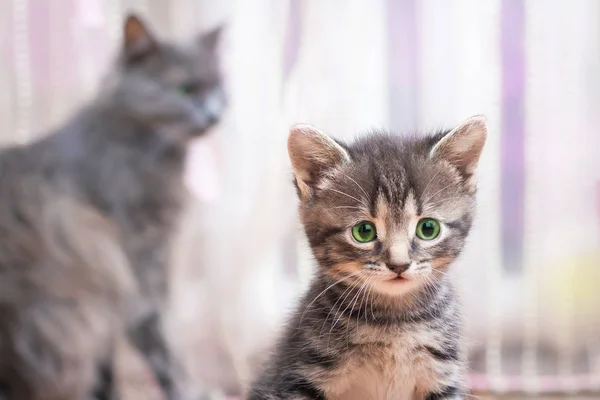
pixel 385 216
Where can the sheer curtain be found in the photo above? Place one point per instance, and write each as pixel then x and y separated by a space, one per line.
pixel 533 67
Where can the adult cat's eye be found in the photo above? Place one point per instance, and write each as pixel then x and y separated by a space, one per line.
pixel 364 232
pixel 428 228
pixel 188 89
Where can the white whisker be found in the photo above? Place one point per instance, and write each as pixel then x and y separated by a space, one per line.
pixel 360 187
pixel 342 297
pixel 431 180
pixel 353 302
pixel 439 191
pixel 326 289
pixel 365 299
pixel 345 194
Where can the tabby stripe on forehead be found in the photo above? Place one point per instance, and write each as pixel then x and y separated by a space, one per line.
pixel 374 195
pixel 389 192
pixel 419 203
pixel 414 186
pixel 405 194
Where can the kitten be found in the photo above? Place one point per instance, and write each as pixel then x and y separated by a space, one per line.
pixel 384 217
pixel 86 216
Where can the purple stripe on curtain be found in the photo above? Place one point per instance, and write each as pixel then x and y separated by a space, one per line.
pixel 292 40
pixel 39 42
pixel 290 57
pixel 403 44
pixel 513 132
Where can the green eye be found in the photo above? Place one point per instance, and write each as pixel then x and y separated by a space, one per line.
pixel 187 89
pixel 428 228
pixel 183 90
pixel 364 232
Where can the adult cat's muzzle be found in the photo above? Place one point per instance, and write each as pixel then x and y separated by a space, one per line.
pixel 210 110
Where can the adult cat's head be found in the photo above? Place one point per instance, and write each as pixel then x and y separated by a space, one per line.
pixel 175 90
pixel 389 210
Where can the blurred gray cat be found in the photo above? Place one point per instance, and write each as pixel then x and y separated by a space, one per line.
pixel 86 216
pixel 385 216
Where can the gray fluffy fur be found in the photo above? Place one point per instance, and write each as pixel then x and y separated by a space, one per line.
pixel 380 320
pixel 86 216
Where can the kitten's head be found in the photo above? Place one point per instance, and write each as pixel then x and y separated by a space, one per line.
pixel 389 210
pixel 175 89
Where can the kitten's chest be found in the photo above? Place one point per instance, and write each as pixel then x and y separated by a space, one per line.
pixel 396 370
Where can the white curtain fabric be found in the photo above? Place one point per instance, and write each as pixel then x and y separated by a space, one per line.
pixel 563 235
pixel 364 64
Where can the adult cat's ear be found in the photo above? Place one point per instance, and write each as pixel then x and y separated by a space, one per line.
pixel 312 154
pixel 138 41
pixel 211 39
pixel 462 147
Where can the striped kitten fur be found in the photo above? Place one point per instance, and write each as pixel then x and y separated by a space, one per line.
pixel 380 319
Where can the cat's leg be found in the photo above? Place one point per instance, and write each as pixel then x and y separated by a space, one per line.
pixel 106 387
pixel 149 338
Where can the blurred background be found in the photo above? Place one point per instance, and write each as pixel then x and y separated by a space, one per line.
pixel 530 274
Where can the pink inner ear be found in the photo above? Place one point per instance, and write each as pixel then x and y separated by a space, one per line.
pixel 201 172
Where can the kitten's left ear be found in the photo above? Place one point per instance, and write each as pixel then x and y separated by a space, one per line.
pixel 313 154
pixel 138 41
pixel 462 147
pixel 211 39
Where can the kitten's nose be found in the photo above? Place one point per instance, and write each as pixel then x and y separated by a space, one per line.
pixel 398 268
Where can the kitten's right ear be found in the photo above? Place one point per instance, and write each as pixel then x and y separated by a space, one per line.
pixel 462 147
pixel 138 41
pixel 312 154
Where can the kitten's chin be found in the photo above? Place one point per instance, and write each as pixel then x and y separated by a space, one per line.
pixel 396 286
